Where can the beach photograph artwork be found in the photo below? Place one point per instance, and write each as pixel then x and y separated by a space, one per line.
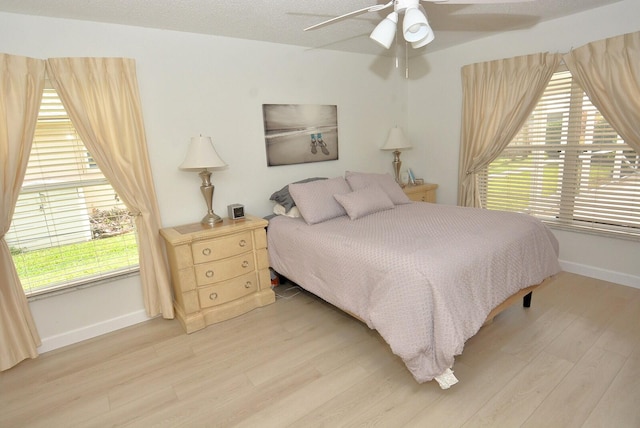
pixel 300 133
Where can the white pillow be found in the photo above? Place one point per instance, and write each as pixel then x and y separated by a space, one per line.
pixel 360 180
pixel 365 201
pixel 294 212
pixel 315 199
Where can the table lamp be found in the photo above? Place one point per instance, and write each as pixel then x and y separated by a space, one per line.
pixel 202 156
pixel 396 141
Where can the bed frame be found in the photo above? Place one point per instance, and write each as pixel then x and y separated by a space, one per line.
pixel 525 294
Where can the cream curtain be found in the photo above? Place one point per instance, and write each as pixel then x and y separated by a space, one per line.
pixel 102 98
pixel 498 97
pixel 21 85
pixel 609 72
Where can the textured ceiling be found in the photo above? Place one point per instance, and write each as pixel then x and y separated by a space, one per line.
pixel 282 21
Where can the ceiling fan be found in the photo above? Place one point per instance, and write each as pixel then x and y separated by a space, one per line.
pixel 415 26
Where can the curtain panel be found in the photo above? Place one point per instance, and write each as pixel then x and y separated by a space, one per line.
pixel 609 72
pixel 498 97
pixel 102 99
pixel 21 86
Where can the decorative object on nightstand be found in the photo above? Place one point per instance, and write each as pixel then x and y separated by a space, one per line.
pixel 412 177
pixel 421 192
pixel 396 141
pixel 218 272
pixel 236 211
pixel 202 156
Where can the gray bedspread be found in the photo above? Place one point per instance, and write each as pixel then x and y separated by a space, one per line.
pixel 425 276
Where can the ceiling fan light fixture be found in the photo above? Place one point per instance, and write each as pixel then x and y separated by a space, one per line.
pixel 425 41
pixel 414 25
pixel 385 31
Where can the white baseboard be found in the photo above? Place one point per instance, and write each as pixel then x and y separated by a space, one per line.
pixel 602 274
pixel 91 331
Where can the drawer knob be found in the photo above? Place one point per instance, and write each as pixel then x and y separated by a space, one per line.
pixel 206 251
pixel 213 296
pixel 209 274
pixel 242 243
pixel 245 264
pixel 247 284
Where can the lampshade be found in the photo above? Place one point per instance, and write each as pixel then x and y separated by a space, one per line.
pixel 202 155
pixel 414 25
pixel 396 140
pixel 385 31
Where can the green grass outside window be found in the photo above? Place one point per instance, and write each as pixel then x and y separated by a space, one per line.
pixel 48 267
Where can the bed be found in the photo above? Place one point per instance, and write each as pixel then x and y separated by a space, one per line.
pixel 425 276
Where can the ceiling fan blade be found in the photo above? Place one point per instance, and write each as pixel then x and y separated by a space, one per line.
pixel 476 1
pixel 346 15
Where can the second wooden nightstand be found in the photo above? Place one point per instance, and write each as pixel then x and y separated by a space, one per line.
pixel 218 272
pixel 421 192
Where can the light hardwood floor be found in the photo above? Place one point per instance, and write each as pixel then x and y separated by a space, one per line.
pixel 572 359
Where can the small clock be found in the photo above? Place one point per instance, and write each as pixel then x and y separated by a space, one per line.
pixel 236 211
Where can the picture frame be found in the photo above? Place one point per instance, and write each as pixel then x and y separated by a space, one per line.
pixel 300 133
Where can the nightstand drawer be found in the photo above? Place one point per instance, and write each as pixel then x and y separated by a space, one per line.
pixel 220 248
pixel 221 270
pixel 228 290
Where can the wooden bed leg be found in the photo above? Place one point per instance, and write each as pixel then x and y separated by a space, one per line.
pixel 526 300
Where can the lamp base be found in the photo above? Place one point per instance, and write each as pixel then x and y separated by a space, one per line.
pixel 397 164
pixel 207 191
pixel 211 219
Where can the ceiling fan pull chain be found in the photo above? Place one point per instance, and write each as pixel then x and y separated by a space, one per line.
pixel 406 60
pixel 396 55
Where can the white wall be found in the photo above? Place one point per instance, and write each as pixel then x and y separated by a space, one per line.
pixel 194 84
pixel 435 109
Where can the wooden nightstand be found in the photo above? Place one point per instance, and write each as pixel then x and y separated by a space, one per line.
pixel 421 192
pixel 218 272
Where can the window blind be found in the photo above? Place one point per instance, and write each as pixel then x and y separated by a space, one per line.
pixel 567 166
pixel 69 226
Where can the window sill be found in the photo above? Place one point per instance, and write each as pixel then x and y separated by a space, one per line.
pixel 590 230
pixel 81 284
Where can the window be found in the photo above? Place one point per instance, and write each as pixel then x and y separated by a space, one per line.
pixel 568 167
pixel 69 226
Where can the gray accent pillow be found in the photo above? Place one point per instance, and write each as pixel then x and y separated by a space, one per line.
pixel 315 199
pixel 283 197
pixel 360 180
pixel 365 201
